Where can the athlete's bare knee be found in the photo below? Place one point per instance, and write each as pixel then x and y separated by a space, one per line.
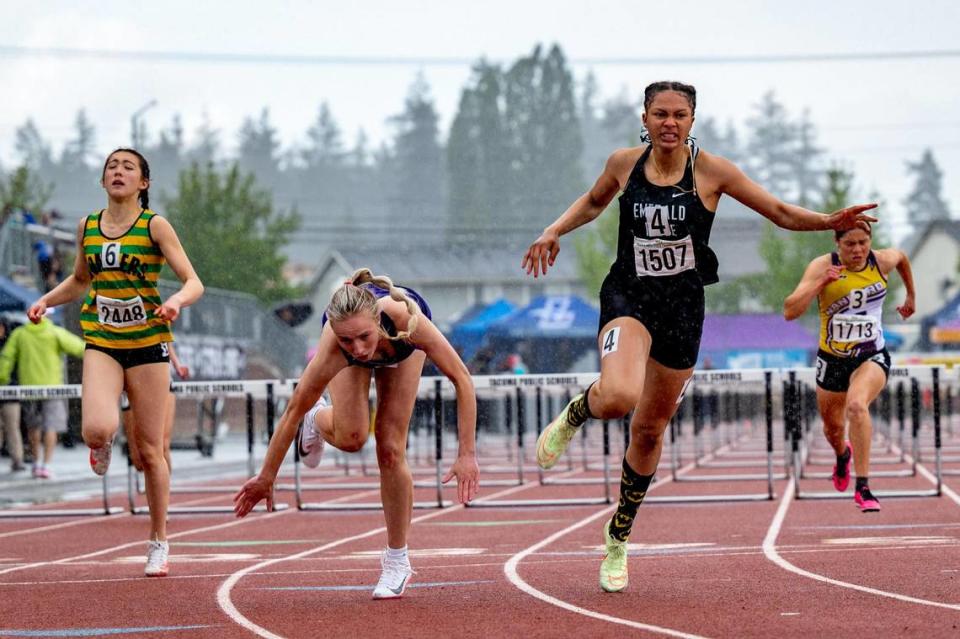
pixel 152 459
pixel 96 435
pixel 350 442
pixel 856 410
pixel 349 437
pixel 647 437
pixel 390 456
pixel 614 401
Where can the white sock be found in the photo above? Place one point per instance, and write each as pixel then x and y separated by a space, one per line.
pixel 397 553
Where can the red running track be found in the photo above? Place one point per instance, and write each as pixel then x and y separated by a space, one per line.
pixel 781 568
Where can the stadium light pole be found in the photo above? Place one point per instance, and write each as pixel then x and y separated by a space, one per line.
pixel 135 122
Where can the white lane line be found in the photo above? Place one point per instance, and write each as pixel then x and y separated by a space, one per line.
pixel 510 569
pixel 131 544
pixel 946 490
pixel 770 550
pixel 97 519
pixel 223 593
pixel 193 531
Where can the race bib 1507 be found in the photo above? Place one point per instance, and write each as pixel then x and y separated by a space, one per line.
pixel 658 258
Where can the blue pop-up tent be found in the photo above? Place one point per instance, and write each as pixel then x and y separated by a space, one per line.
pixel 468 332
pixel 551 332
pixel 14 297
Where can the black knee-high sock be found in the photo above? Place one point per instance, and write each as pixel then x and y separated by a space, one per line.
pixel 579 411
pixel 633 488
pixel 842 462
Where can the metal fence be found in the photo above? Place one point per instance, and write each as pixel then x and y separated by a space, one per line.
pixel 225 315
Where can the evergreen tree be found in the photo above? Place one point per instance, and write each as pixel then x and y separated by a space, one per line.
pixel 80 149
pixel 478 156
pixel 230 231
pixel 787 254
pixel 772 148
pixel 545 135
pixel 167 156
pixel 76 175
pixel 324 142
pixel 23 190
pixel 206 150
pixel 596 147
pixel 621 122
pixel 806 170
pixel 925 201
pixel 596 247
pixel 417 189
pixel 710 138
pixel 33 149
pixel 259 150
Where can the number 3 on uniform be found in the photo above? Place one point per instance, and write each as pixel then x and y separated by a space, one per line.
pixel 610 341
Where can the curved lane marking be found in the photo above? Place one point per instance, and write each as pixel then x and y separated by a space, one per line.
pixel 770 550
pixel 223 593
pixel 510 569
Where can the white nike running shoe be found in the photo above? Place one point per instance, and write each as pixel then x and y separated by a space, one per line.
pixel 157 553
pixel 309 440
pixel 394 578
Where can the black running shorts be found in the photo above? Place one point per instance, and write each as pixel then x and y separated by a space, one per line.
pixel 671 308
pixel 833 373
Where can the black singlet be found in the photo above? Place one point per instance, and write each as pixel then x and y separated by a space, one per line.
pixel 652 212
pixel 663 262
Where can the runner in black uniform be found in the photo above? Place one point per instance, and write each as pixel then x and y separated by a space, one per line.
pixel 651 314
pixel 373 330
pixel 664 231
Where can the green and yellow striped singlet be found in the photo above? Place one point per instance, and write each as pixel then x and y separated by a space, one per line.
pixel 119 310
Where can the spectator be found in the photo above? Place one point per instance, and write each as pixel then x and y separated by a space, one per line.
pixel 10 412
pixel 516 365
pixel 52 272
pixel 482 362
pixel 36 351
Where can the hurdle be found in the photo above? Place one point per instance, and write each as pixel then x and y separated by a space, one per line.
pixel 250 390
pixel 426 385
pixel 707 379
pixel 916 374
pixel 521 385
pixel 41 393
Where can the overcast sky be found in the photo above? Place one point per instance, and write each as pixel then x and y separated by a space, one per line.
pixel 871 113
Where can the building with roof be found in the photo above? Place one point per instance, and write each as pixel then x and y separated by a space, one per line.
pixel 454 278
pixel 934 253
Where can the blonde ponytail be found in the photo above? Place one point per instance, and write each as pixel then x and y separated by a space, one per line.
pixel 350 299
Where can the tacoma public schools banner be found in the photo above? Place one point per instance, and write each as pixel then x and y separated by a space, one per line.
pixel 210 357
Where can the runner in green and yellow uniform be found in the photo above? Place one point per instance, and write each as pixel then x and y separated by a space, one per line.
pixel 120 251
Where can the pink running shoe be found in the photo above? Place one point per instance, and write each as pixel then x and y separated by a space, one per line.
pixel 866 501
pixel 842 480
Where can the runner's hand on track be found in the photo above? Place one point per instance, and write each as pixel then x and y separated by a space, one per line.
pixel 250 495
pixel 467 472
pixel 541 254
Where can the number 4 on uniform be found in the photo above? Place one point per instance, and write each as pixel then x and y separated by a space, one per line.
pixel 610 341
